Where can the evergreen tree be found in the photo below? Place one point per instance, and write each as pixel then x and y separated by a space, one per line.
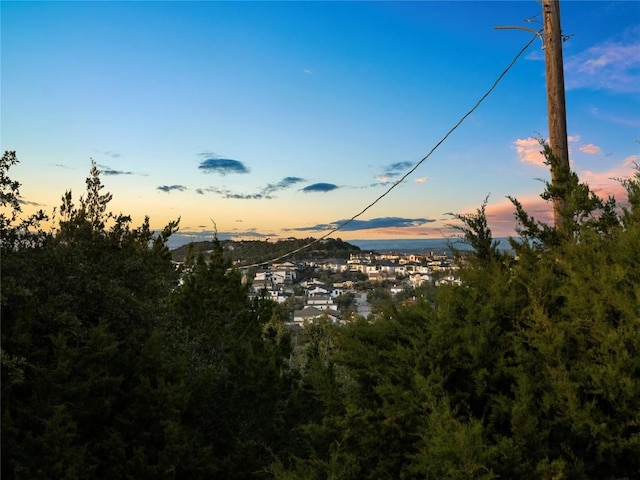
pixel 113 368
pixel 87 390
pixel 237 372
pixel 527 370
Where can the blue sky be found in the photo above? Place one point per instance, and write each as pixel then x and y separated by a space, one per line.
pixel 278 119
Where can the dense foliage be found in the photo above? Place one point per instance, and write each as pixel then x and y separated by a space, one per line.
pixel 528 370
pixel 111 369
pixel 114 365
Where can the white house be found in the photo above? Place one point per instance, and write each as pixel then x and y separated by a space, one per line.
pixel 418 279
pixel 322 302
pixel 287 271
pixel 335 265
pixel 310 314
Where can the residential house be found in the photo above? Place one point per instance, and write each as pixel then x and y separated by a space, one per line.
pixel 311 314
pixel 322 302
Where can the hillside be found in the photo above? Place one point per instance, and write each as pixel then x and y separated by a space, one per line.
pixel 256 251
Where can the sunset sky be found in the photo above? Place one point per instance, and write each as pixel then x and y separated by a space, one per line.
pixel 274 119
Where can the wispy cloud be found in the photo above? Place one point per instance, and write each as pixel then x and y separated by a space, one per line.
pixel 607 183
pixel 22 201
pixel 229 194
pixel 392 173
pixel 113 172
pixel 221 166
pixel 612 66
pixel 171 188
pixel 421 179
pixel 630 161
pixel 319 187
pixel 398 168
pixel 248 233
pixel 501 214
pixel 590 148
pixel 529 151
pixel 374 223
pixel 266 192
pixel 535 55
pixel 109 153
pixel 382 180
pixel 286 182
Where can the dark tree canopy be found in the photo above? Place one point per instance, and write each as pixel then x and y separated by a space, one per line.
pixel 527 370
pixel 111 369
pixel 115 365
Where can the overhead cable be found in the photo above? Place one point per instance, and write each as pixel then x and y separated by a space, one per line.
pixel 413 169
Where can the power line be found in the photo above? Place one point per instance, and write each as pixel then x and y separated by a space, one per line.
pixel 413 169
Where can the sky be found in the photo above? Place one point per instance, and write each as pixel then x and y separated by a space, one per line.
pixel 285 119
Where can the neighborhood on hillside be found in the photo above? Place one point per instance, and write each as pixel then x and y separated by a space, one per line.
pixel 337 289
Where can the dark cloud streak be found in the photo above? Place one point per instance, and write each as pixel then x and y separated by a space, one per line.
pixel 115 172
pixel 320 187
pixel 397 168
pixel 354 225
pixel 266 193
pixel 171 188
pixel 106 170
pixel 223 166
pixel 281 185
pixel 226 193
pixel 22 201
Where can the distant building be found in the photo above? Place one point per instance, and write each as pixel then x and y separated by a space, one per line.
pixel 310 314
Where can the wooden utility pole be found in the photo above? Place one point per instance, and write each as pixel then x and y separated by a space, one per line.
pixel 556 108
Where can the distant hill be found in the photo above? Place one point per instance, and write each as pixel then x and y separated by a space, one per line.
pixel 257 251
